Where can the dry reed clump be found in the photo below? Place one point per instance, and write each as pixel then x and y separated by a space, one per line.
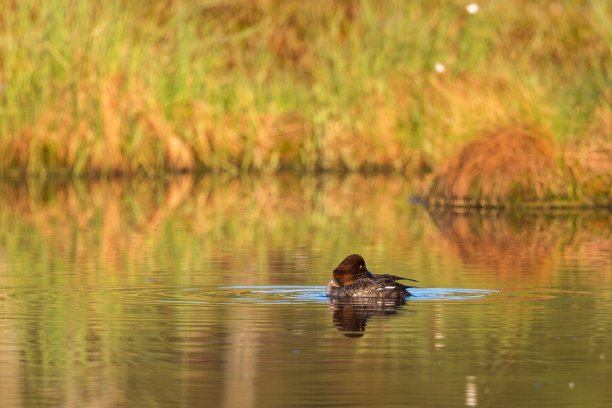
pixel 118 131
pixel 278 139
pixel 514 165
pixel 371 138
pixel 118 109
pixel 256 140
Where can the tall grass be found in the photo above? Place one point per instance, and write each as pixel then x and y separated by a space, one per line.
pixel 148 86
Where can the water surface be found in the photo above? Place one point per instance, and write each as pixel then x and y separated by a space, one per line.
pixel 191 292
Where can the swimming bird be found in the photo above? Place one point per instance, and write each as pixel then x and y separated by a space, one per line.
pixel 352 279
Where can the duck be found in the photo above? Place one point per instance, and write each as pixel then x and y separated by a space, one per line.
pixel 352 279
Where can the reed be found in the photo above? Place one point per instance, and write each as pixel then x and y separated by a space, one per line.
pixel 114 87
pixel 520 166
pixel 506 166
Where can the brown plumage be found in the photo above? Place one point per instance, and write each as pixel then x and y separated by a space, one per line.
pixel 352 279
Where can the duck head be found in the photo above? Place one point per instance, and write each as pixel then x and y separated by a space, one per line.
pixel 353 267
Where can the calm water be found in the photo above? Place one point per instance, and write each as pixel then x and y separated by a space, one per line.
pixel 209 292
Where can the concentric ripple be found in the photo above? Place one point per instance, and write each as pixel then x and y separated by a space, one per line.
pixel 288 294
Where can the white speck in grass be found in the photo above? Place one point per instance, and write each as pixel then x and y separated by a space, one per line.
pixel 472 8
pixel 439 67
pixel 601 356
pixel 571 385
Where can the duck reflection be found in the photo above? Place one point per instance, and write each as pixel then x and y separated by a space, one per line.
pixel 350 315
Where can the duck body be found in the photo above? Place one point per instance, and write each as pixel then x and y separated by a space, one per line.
pixel 351 279
pixel 368 288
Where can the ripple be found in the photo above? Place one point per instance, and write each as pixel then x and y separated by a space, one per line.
pixel 289 294
pixel 278 294
pixel 271 294
pixel 449 294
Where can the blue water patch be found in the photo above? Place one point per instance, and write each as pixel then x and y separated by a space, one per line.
pixel 286 294
pixel 449 293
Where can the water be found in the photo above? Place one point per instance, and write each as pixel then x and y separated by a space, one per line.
pixel 209 292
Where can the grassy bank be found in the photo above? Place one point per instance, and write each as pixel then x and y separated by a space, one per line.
pixel 148 86
pixel 521 167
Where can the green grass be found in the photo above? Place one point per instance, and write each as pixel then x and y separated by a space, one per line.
pixel 89 87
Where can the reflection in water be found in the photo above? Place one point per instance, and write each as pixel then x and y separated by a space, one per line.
pixel 126 219
pixel 351 315
pixel 170 292
pixel 241 361
pixel 471 391
pixel 438 328
pixel 511 247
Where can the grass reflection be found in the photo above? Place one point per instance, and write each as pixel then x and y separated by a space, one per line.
pixel 83 267
pixel 176 222
pixel 259 226
pixel 523 247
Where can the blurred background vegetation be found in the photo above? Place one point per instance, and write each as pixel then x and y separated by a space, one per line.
pixel 148 86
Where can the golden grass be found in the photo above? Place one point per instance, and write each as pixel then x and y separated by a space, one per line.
pixel 513 164
pixel 270 85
